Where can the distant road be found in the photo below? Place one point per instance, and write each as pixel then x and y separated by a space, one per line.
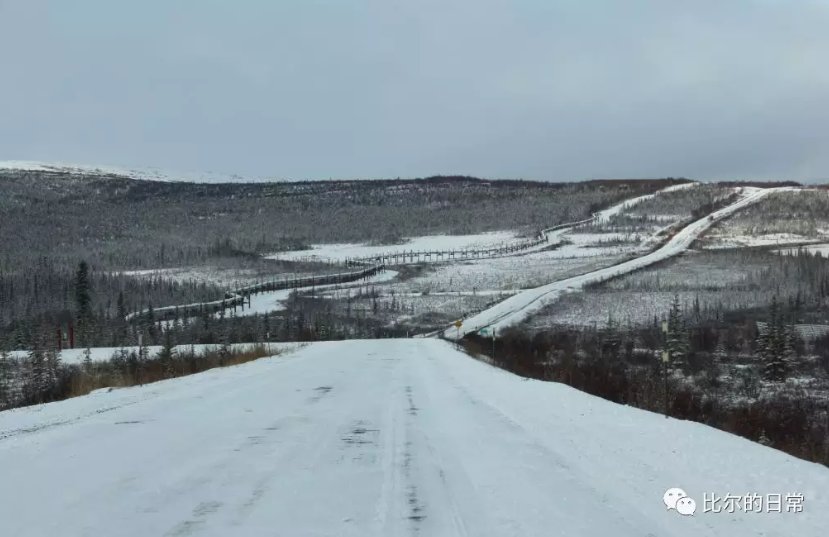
pixel 519 307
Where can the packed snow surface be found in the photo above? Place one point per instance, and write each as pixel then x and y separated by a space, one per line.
pixel 379 438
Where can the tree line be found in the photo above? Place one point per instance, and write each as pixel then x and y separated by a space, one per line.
pixel 730 375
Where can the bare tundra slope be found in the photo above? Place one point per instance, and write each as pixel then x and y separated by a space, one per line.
pixel 382 437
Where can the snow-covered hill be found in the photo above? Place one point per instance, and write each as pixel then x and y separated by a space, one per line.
pixel 386 438
pixel 152 174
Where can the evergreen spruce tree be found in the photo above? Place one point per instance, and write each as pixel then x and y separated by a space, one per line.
pixel 224 349
pixel 121 307
pixel 611 340
pixel 37 377
pixel 141 362
pixel 83 301
pixel 266 326
pixel 166 353
pixel 149 325
pixel 789 346
pixel 772 345
pixel 121 319
pixel 677 337
pixel 52 362
pixel 87 360
pixel 5 380
pixel 720 353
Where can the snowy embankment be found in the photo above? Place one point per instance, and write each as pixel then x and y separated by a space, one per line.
pixel 518 307
pixel 104 354
pixel 387 438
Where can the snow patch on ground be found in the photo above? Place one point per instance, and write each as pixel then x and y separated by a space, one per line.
pixel 505 273
pixel 105 354
pixel 343 251
pixel 721 241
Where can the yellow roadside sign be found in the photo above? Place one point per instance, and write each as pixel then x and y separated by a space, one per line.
pixel 458 323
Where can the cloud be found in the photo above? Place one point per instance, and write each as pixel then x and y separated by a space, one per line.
pixel 386 88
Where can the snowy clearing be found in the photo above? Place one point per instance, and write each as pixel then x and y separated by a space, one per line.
pixel 505 273
pixel 342 252
pixel 386 438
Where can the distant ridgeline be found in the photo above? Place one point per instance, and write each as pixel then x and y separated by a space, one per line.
pixel 122 223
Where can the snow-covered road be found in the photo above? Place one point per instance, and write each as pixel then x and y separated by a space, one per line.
pixel 520 306
pixel 378 438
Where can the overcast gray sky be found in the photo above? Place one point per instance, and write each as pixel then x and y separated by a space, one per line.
pixel 537 89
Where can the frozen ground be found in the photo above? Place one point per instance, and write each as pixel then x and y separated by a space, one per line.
pixel 415 311
pixel 624 309
pixel 341 252
pixel 387 438
pixel 505 273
